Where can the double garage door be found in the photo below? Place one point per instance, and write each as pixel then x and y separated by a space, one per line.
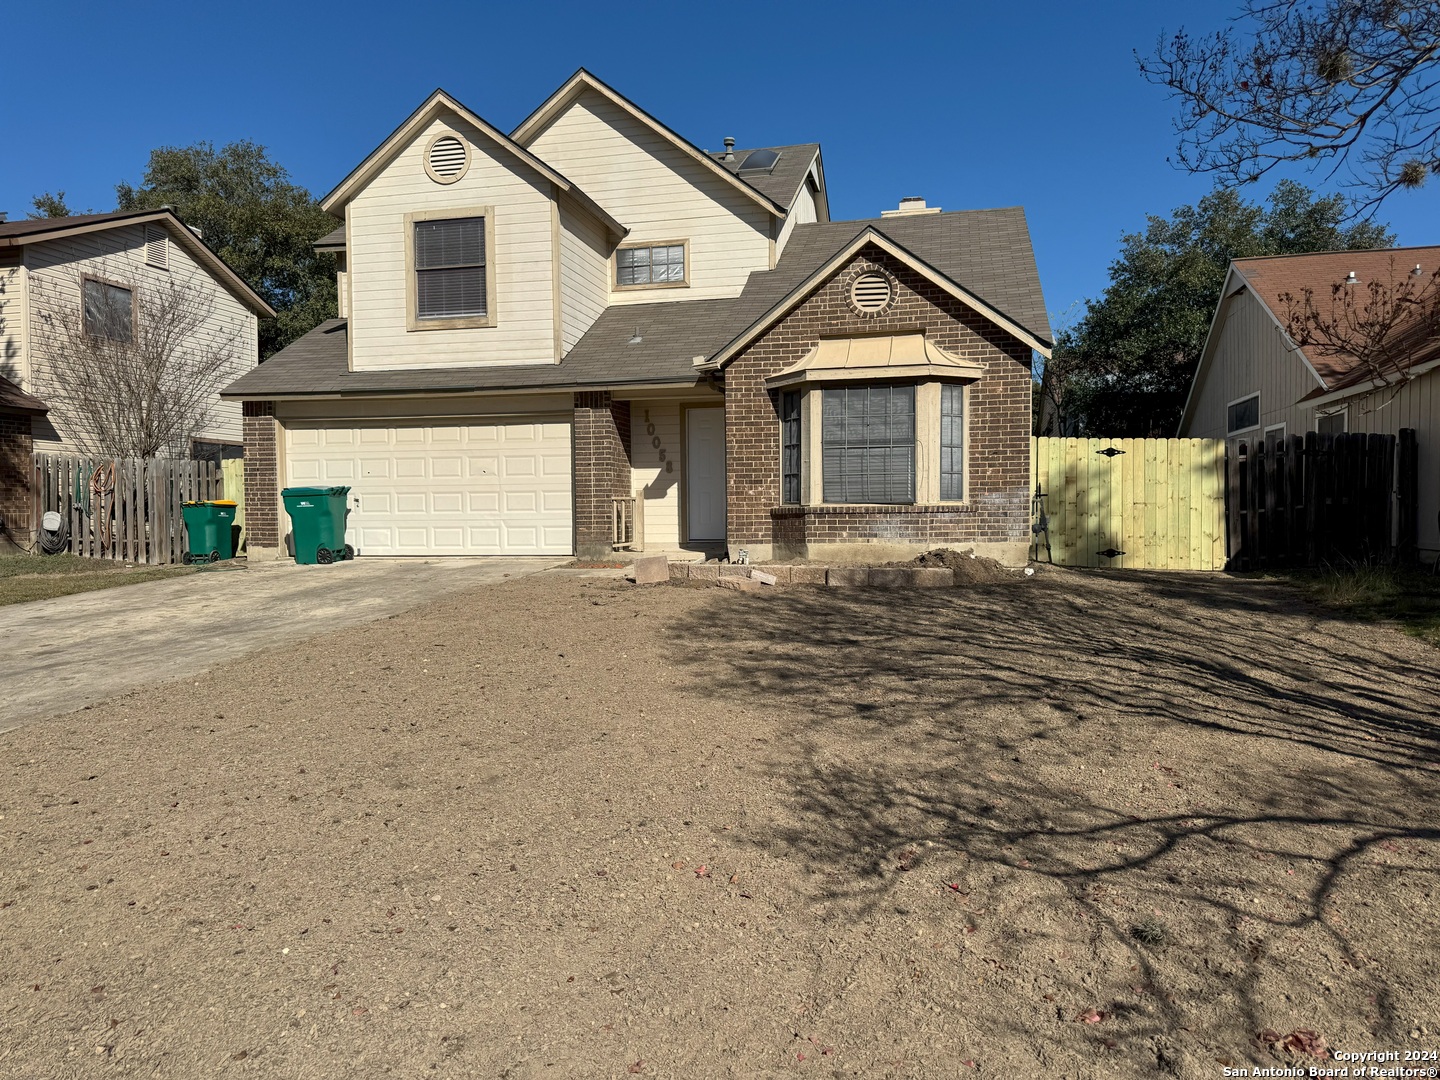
pixel 462 487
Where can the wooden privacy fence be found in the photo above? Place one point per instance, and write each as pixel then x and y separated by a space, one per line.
pixel 1155 504
pixel 126 508
pixel 1323 498
pixel 232 482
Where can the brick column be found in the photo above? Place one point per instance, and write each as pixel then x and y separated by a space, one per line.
pixel 262 479
pixel 17 474
pixel 602 469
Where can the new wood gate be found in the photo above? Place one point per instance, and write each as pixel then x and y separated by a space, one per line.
pixel 1153 504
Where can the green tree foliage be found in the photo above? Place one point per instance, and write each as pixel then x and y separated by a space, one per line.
pixel 1124 368
pixel 50 205
pixel 256 219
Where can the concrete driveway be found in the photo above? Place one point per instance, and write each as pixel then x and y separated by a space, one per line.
pixel 60 655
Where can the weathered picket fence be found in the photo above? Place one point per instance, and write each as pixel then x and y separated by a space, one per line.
pixel 124 508
pixel 1322 498
pixel 1153 504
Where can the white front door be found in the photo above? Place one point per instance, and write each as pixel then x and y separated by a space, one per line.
pixel 705 474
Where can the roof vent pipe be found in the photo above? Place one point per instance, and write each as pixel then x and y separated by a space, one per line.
pixel 729 148
pixel 1351 279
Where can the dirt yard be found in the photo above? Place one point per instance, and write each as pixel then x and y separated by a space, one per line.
pixel 1075 826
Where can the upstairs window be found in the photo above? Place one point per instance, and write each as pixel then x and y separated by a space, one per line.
pixel 652 265
pixel 109 311
pixel 868 444
pixel 1242 415
pixel 450 268
pixel 1335 423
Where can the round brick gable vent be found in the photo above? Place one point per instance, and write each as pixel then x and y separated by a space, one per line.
pixel 871 291
pixel 447 159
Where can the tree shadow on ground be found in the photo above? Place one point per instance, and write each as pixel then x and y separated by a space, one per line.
pixel 1076 752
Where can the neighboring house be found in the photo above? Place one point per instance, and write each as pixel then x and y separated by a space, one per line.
pixel 96 269
pixel 18 411
pixel 538 327
pixel 1253 382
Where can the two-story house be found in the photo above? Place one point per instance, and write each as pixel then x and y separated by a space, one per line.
pixel 109 277
pixel 539 327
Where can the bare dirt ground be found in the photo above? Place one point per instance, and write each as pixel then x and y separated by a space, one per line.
pixel 1075 826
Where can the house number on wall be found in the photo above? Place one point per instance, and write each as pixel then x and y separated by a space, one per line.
pixel 655 442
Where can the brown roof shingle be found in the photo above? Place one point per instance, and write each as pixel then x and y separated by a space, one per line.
pixel 1272 277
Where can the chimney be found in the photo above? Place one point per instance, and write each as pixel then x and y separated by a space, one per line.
pixel 911 204
pixel 729 148
pixel 4 216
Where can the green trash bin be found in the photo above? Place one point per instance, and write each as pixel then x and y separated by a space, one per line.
pixel 208 535
pixel 317 523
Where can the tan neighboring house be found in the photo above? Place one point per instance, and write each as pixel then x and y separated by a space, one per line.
pixel 540 328
pixel 1253 382
pixel 57 268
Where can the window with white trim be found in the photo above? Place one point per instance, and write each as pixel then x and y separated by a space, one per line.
pixel 1335 423
pixel 1242 415
pixel 658 264
pixel 450 267
pixel 867 436
pixel 109 311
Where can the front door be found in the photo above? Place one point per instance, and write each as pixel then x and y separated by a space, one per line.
pixel 705 474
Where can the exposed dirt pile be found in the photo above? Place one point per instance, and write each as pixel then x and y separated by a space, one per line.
pixel 970 569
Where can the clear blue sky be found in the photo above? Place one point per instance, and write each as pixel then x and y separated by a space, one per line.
pixel 969 105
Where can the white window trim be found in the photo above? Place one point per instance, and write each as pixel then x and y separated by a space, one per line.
pixel 684 283
pixel 1253 427
pixel 1343 412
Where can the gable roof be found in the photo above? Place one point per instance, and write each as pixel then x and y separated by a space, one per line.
pixel 582 80
pixel 1271 277
pixel 429 109
pixel 39 230
pixel 985 254
pixel 14 400
pixel 981 257
pixel 782 183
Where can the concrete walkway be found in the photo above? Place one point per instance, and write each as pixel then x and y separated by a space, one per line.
pixel 60 655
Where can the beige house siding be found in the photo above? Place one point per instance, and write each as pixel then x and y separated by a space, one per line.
pixel 521 264
pixel 1250 354
pixel 584 273
pixel 14 361
pixel 661 195
pixel 658 488
pixel 802 212
pixel 55 269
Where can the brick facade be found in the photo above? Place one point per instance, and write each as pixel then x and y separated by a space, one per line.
pixel 17 472
pixel 262 476
pixel 602 469
pixel 997 507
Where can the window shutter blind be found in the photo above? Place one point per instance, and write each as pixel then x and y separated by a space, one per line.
pixel 450 268
pixel 952 443
pixel 868 444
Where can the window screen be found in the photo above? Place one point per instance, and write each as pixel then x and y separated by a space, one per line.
pixel 868 444
pixel 109 311
pixel 650 265
pixel 790 447
pixel 952 443
pixel 450 268
pixel 1243 414
pixel 1334 424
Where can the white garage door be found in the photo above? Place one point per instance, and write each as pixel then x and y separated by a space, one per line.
pixel 463 488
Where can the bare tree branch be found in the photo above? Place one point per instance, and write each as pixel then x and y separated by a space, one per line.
pixel 1386 327
pixel 1350 84
pixel 140 384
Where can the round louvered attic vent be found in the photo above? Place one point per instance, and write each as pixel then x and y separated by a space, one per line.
pixel 447 159
pixel 870 292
